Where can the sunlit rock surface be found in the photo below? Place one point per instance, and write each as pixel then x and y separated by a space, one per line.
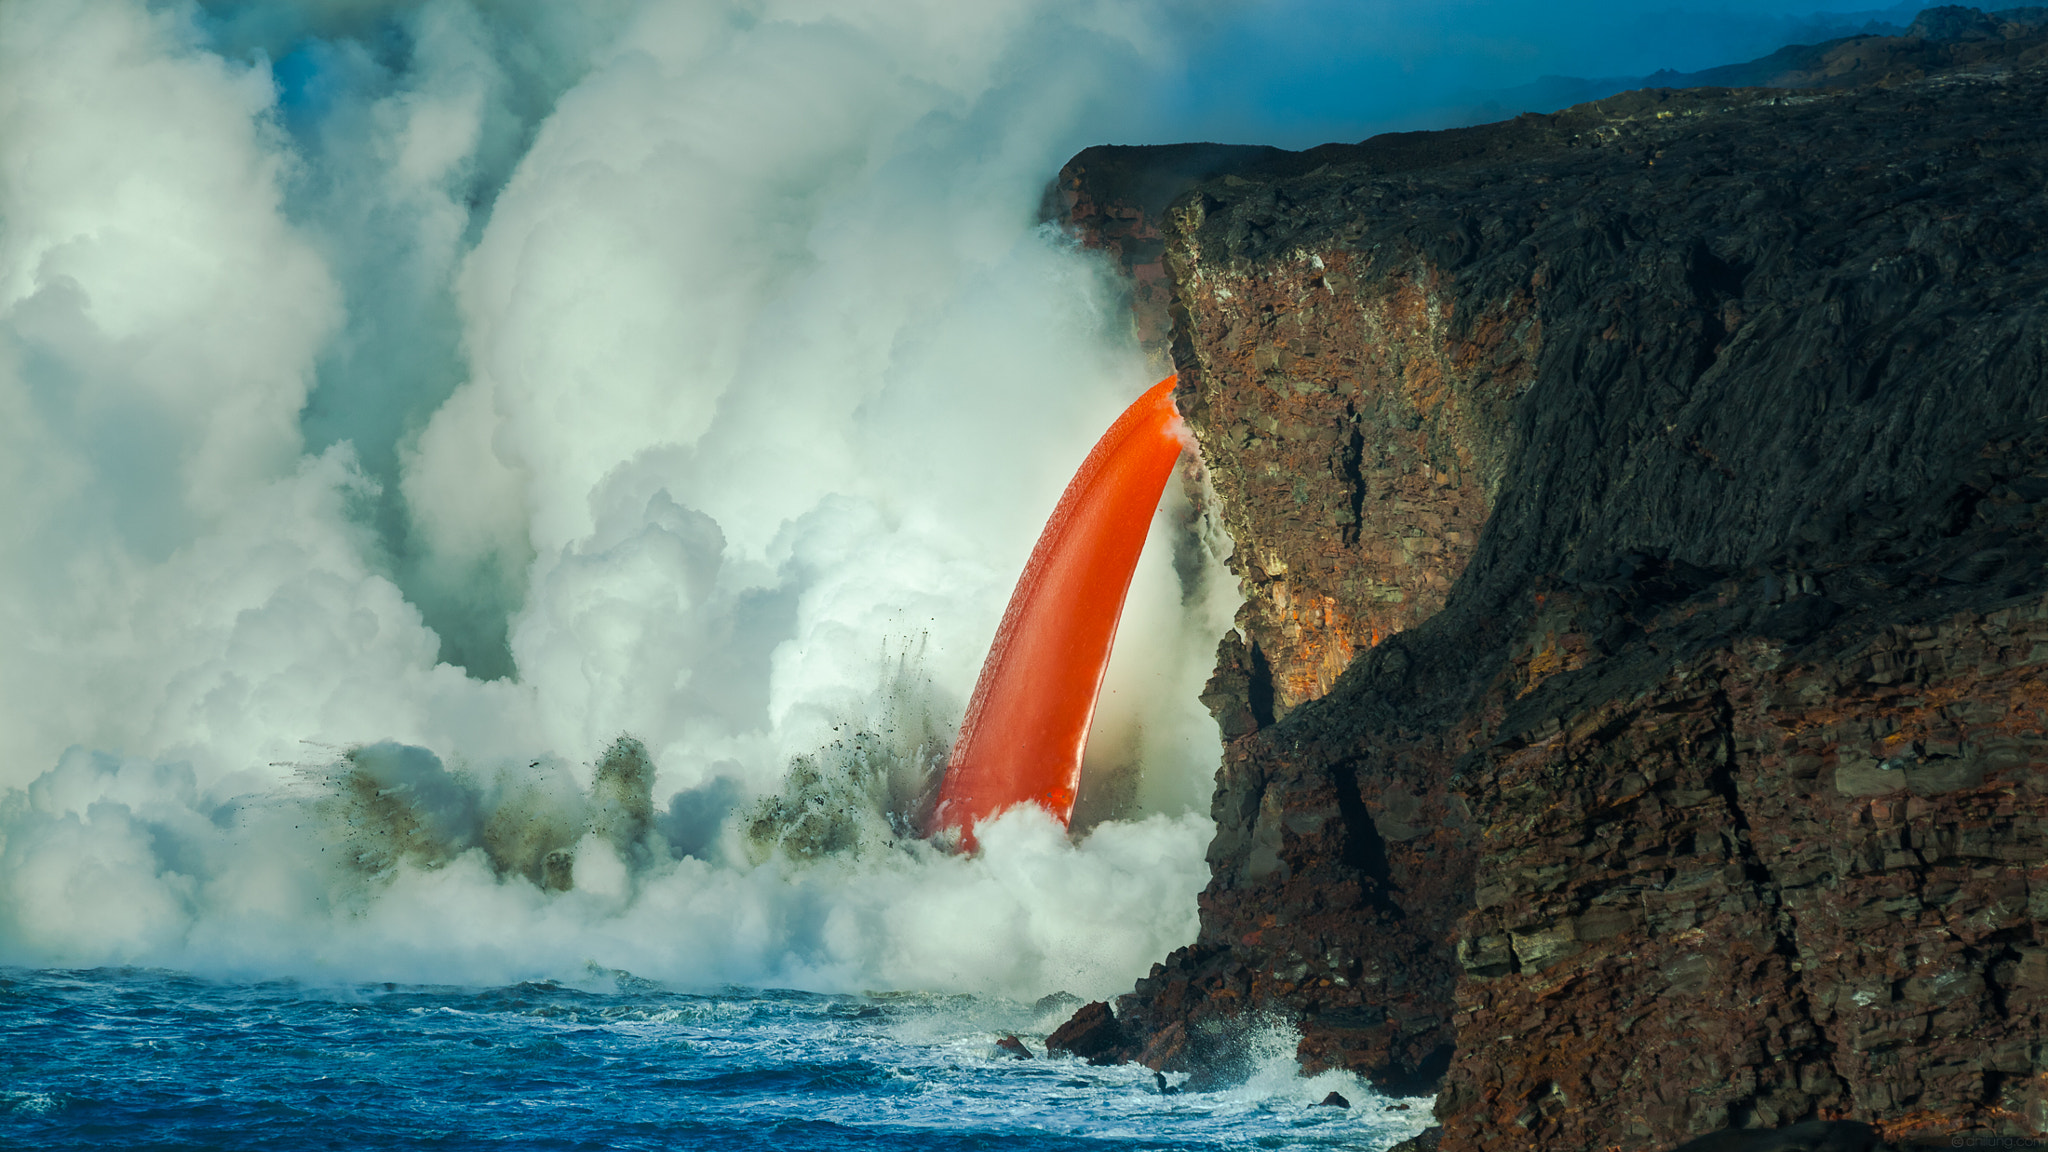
pixel 1637 726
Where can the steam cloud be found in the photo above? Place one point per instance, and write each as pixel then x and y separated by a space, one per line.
pixel 399 406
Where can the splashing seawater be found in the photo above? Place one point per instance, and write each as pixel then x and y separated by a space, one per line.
pixel 149 1059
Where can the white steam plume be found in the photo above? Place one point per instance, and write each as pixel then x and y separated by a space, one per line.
pixel 697 370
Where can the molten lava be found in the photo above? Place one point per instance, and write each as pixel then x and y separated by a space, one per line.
pixel 1028 721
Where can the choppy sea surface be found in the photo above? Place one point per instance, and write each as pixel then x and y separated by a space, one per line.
pixel 125 1058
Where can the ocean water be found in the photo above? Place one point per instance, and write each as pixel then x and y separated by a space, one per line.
pixel 136 1058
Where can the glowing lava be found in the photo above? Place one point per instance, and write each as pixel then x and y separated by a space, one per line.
pixel 1028 721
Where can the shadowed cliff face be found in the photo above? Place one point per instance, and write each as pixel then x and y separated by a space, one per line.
pixel 1637 726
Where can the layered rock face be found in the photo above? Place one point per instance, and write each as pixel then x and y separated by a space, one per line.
pixel 1638 726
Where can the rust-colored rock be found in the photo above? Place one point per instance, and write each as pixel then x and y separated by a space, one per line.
pixel 1338 400
pixel 1779 877
pixel 1091 1033
pixel 1114 199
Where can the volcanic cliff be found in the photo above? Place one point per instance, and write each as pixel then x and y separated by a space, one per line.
pixel 1635 726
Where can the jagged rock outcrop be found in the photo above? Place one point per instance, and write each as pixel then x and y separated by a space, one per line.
pixel 1638 725
pixel 1092 1033
pixel 1114 198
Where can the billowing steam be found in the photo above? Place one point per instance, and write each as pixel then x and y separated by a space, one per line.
pixel 487 490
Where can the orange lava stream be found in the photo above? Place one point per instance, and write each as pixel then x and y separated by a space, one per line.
pixel 1028 721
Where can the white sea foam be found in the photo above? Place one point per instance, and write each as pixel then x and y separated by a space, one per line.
pixel 701 367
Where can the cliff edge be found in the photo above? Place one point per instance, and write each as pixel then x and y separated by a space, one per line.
pixel 1636 725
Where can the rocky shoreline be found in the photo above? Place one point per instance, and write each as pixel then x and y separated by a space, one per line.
pixel 1635 727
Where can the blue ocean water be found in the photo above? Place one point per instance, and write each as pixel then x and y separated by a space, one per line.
pixel 124 1058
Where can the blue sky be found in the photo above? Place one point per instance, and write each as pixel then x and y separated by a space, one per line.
pixel 1294 73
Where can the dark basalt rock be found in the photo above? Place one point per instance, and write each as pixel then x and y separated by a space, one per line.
pixel 1056 1002
pixel 1639 728
pixel 1092 1034
pixel 1013 1048
pixel 1114 197
pixel 1424 1141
